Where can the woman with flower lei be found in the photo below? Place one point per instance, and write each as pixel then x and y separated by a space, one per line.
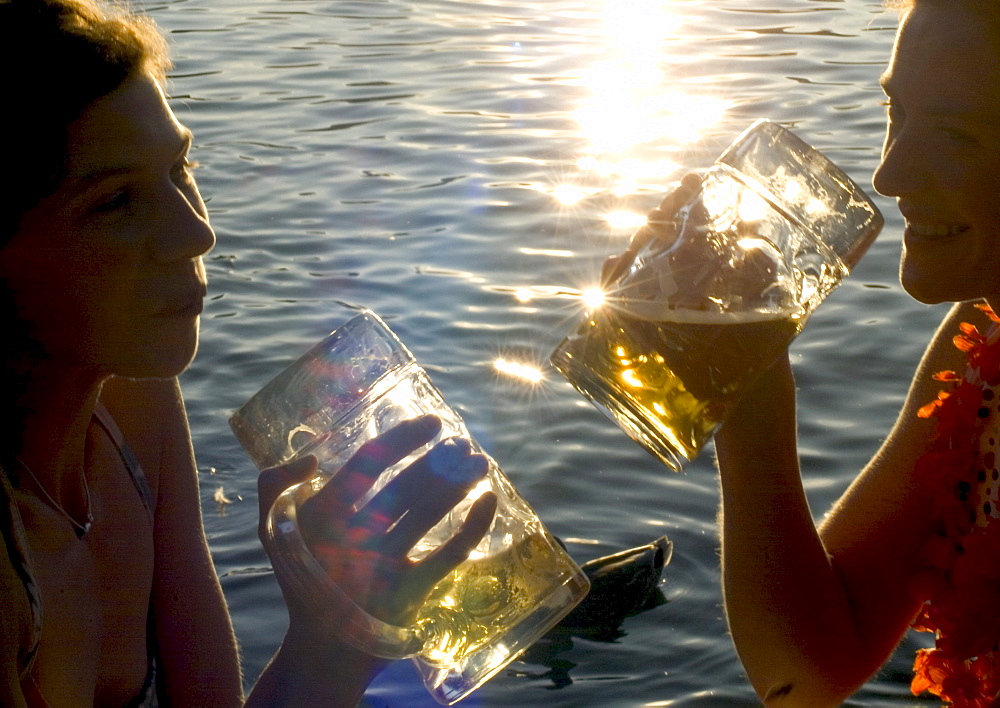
pixel 814 612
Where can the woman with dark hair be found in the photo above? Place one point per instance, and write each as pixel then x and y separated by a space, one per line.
pixel 108 590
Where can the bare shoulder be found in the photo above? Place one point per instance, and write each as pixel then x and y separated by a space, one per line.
pixel 153 421
pixel 942 353
pixel 910 434
pixel 888 487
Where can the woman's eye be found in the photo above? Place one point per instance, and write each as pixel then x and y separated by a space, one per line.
pixel 118 200
pixel 957 136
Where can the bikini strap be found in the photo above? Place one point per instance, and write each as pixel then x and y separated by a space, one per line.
pixel 15 539
pixel 147 695
pixel 128 457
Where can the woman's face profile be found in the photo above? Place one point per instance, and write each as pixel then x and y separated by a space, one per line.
pixel 107 271
pixel 941 157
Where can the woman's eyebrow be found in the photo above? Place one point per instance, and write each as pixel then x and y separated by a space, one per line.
pixel 183 146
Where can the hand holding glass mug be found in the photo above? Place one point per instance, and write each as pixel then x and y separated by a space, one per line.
pixel 365 550
pixel 660 226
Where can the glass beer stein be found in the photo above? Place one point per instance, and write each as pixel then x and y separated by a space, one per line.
pixel 703 310
pixel 517 583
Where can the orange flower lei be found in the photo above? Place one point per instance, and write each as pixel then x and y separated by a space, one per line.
pixel 963 608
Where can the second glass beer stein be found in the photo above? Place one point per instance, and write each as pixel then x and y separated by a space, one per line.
pixel 701 311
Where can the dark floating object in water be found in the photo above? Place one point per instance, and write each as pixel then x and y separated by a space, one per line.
pixel 621 585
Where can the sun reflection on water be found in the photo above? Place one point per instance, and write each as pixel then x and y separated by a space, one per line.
pixel 636 118
pixel 635 109
pixel 528 373
pixel 622 219
pixel 523 295
pixel 593 297
pixel 568 194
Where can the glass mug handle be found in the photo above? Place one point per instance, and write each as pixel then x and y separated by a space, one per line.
pixel 324 597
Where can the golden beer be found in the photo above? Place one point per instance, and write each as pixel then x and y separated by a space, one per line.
pixel 482 598
pixel 670 382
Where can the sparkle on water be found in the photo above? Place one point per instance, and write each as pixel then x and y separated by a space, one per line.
pixel 519 370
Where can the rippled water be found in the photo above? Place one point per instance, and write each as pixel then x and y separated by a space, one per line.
pixel 462 168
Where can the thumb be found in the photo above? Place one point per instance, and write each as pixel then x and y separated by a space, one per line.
pixel 272 482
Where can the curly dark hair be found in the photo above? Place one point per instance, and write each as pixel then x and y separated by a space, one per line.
pixel 59 56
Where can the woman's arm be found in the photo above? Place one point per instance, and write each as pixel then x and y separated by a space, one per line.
pixel 814 612
pixel 304 674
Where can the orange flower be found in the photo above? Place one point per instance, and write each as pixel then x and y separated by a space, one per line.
pixel 964 344
pixel 929 672
pixel 947 376
pixel 931 408
pixel 970 684
pixel 988 311
pixel 963 606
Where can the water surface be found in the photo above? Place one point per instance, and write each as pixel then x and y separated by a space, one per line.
pixel 462 168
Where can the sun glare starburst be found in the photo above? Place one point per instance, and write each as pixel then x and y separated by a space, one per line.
pixel 519 370
pixel 568 194
pixel 593 298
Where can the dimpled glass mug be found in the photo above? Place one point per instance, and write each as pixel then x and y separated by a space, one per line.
pixel 516 584
pixel 704 309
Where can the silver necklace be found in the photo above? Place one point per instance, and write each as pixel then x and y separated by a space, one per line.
pixel 81 529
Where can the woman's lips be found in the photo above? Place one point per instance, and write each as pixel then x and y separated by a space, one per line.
pixel 926 231
pixel 190 306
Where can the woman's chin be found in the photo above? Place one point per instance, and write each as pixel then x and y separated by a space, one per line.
pixel 160 363
pixel 931 288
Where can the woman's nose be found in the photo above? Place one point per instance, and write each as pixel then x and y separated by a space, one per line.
pixel 900 171
pixel 183 231
pixel 884 179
